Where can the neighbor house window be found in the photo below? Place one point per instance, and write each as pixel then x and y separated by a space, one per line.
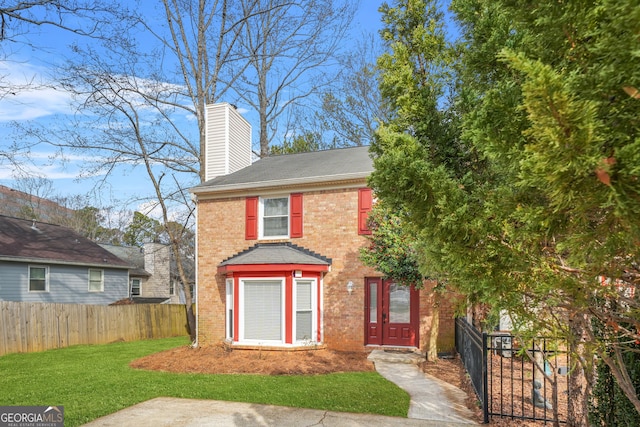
pixel 96 280
pixel 38 279
pixel 135 287
pixel 275 217
pixel 172 288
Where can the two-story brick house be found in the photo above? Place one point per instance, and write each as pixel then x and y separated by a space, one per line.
pixel 278 245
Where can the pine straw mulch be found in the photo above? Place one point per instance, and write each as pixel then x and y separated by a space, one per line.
pixel 223 360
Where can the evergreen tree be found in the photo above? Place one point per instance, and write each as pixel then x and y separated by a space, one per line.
pixel 522 176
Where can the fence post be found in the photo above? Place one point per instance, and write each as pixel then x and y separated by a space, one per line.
pixel 485 385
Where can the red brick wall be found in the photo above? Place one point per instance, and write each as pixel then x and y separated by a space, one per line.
pixel 330 229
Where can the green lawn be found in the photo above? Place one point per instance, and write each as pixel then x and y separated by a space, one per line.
pixel 93 381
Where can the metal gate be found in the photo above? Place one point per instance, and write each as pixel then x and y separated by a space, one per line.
pixel 512 381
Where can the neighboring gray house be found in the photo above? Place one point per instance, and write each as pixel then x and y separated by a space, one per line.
pixel 150 276
pixel 42 262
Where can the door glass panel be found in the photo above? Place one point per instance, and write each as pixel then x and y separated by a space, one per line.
pixel 373 302
pixel 399 304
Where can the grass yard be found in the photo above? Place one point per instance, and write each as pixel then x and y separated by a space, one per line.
pixel 93 381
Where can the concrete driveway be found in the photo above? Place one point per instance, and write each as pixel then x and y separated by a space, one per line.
pixel 171 412
pixel 434 403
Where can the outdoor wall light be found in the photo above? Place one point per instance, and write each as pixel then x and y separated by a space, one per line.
pixel 350 287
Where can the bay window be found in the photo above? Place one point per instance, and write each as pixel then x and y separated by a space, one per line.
pixel 272 311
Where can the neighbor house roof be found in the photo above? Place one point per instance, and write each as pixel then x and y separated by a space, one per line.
pixel 292 169
pixel 133 255
pixel 31 241
pixel 276 253
pixel 141 300
pixel 16 203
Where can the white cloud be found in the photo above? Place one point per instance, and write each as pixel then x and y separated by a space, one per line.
pixel 152 209
pixel 47 165
pixel 27 96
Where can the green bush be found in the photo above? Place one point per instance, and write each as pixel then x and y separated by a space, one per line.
pixel 609 406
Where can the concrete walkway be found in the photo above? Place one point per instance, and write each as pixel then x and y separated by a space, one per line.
pixel 431 398
pixel 434 403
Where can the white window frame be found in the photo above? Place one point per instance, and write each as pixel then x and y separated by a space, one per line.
pixel 314 311
pixel 46 278
pixel 229 310
pixel 241 301
pixel 261 216
pixel 139 286
pixel 101 280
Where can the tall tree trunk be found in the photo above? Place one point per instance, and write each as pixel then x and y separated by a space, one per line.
pixel 580 383
pixel 432 353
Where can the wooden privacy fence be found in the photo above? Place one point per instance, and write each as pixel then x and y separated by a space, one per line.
pixel 28 327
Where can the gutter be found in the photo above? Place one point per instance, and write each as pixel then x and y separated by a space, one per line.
pixel 312 180
pixel 60 262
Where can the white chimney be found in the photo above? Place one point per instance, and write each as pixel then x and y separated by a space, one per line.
pixel 228 135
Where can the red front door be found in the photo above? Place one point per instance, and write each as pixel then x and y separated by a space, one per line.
pixel 391 313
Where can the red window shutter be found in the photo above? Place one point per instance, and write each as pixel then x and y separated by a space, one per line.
pixel 365 202
pixel 251 219
pixel 295 218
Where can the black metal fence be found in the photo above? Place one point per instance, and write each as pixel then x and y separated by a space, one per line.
pixel 512 381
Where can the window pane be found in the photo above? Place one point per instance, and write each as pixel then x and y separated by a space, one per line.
pixel 95 280
pixel 399 304
pixel 303 296
pixel 135 287
pixel 37 279
pixel 373 302
pixel 37 285
pixel 263 310
pixel 303 326
pixel 275 207
pixel 278 226
pixel 38 273
pixel 229 305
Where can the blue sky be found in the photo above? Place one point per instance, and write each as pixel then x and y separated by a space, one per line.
pixel 44 105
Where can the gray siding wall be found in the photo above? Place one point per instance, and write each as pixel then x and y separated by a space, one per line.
pixel 67 284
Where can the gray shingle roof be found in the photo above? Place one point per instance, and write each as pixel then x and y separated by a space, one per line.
pixel 276 253
pixel 312 167
pixel 24 240
pixel 134 256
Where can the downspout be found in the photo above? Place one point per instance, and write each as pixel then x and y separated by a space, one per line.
pixel 194 198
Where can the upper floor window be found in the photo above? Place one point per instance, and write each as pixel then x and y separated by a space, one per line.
pixel 38 279
pixel 96 280
pixel 275 217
